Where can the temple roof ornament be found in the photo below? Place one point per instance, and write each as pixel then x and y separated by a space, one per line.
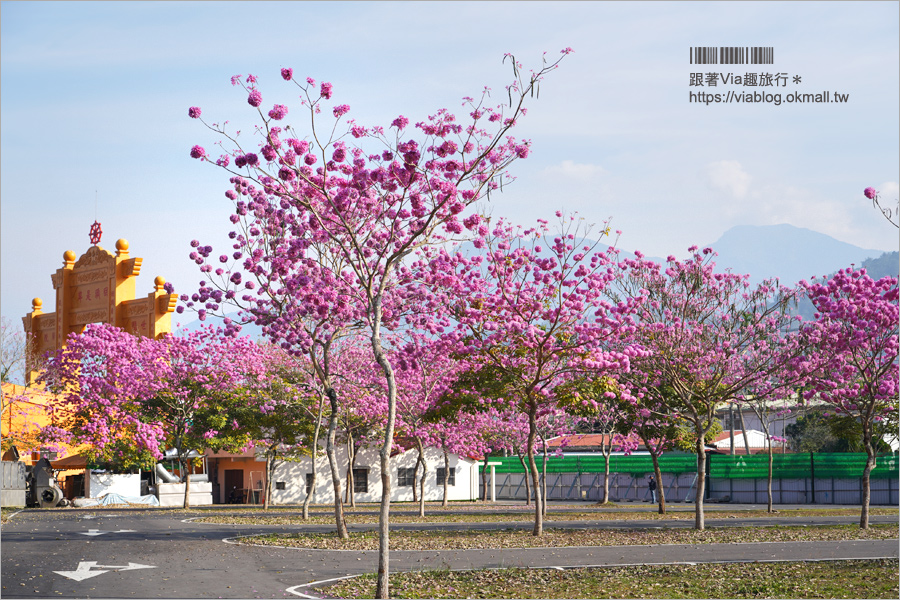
pixel 96 233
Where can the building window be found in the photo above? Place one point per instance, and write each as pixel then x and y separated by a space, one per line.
pixel 279 485
pixel 309 482
pixel 406 477
pixel 726 422
pixel 50 455
pixel 360 481
pixel 440 476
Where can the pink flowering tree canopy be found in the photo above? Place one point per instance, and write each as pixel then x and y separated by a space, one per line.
pixel 117 390
pixel 856 329
pixel 703 333
pixel 530 312
pixel 374 194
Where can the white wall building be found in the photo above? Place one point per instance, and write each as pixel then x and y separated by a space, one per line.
pixel 756 439
pixel 292 477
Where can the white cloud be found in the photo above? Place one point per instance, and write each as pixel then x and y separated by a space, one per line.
pixel 573 170
pixel 888 192
pixel 728 176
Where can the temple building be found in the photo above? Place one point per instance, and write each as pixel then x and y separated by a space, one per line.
pixel 99 287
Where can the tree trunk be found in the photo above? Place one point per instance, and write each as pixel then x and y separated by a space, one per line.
pixel 527 483
pixel 866 490
pixel 605 453
pixel 351 478
pixel 382 586
pixel 660 494
pixel 484 480
pixel 183 465
pixel 744 433
pixel 535 476
pixel 268 489
pixel 731 427
pixel 349 496
pixel 446 476
pixel 314 451
pixel 544 481
pixel 699 520
pixel 339 522
pixel 415 487
pixel 771 469
pixel 421 482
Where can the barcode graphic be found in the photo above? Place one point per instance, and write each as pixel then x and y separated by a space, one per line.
pixel 732 55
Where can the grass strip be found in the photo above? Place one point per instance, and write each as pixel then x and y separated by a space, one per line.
pixel 507 516
pixel 557 538
pixel 842 579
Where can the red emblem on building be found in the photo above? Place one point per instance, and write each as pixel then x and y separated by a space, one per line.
pixel 96 232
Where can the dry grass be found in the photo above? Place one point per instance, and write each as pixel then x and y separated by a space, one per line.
pixel 506 515
pixel 845 579
pixel 556 538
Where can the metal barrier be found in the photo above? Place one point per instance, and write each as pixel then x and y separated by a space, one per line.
pixel 797 478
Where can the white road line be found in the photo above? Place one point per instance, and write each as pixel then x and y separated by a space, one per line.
pixel 293 590
pixel 96 532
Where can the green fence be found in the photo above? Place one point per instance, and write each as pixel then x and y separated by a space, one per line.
pixel 723 466
pixel 801 466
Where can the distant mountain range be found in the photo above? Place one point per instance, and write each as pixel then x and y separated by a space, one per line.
pixel 783 251
pixel 787 252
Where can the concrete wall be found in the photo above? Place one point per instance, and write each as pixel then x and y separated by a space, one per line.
pixel 172 494
pixel 124 484
pixel 293 477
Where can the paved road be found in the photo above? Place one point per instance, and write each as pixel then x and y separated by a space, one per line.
pixel 156 554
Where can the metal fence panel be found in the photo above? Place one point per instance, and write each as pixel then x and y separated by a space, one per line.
pixel 13 484
pixel 740 478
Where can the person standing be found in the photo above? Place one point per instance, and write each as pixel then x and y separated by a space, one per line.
pixel 651 485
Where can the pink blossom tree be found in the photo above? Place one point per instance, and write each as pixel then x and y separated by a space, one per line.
pixel 531 318
pixel 281 415
pixel 595 400
pixel 701 331
pixel 856 329
pixel 768 408
pixel 310 321
pixel 425 373
pixel 372 195
pixel 115 387
pixel 363 406
pixel 656 430
pixel 463 435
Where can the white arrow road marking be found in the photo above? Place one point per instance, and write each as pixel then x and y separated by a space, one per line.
pixel 94 532
pixel 83 571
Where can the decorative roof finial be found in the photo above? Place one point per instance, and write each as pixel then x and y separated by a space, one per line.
pixel 96 232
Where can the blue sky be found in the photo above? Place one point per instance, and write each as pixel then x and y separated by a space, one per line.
pixel 95 97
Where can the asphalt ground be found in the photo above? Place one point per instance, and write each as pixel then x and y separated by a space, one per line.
pixel 158 553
